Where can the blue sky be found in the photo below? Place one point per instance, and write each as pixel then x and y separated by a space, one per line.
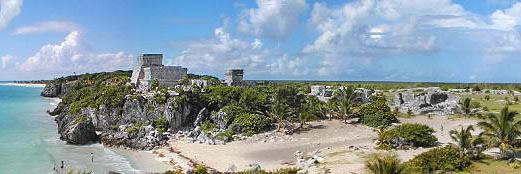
pixel 389 40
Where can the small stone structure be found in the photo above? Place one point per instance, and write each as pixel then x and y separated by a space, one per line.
pixel 427 101
pixel 234 77
pixel 150 67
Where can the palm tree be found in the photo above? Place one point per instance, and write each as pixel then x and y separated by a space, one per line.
pixel 385 164
pixel 310 109
pixel 466 105
pixel 466 142
pixel 279 112
pixel 345 103
pixel 502 130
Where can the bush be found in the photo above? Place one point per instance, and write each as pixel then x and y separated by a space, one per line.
pixel 405 135
pixel 442 158
pixel 161 124
pixel 377 114
pixel 251 123
pixel 385 164
pixel 208 126
pixel 200 169
pixel 225 135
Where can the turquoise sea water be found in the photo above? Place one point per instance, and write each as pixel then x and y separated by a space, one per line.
pixel 29 141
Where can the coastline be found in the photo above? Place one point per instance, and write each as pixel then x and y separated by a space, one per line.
pixel 35 85
pixel 142 161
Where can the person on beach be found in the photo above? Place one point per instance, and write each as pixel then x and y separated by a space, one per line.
pixel 92 157
pixel 61 167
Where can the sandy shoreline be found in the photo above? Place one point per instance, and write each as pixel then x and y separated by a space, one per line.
pixel 144 161
pixel 35 85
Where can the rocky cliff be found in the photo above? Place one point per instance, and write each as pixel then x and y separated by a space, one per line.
pixel 104 107
pixel 135 124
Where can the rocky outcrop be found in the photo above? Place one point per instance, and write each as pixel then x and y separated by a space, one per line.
pixel 130 125
pixel 57 88
pixel 76 129
pixel 427 101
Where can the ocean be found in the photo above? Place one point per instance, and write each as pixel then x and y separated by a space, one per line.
pixel 29 142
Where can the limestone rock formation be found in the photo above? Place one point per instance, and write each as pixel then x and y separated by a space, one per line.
pixel 75 130
pixel 427 101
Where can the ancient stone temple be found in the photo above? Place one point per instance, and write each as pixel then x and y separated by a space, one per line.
pixel 150 67
pixel 234 77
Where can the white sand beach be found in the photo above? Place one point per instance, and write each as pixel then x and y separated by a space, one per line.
pixel 35 85
pixel 344 146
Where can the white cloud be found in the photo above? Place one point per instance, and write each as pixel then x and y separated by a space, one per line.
pixel 47 26
pixel 73 55
pixel 273 18
pixel 9 9
pixel 507 19
pixel 6 61
pixel 359 32
pixel 225 51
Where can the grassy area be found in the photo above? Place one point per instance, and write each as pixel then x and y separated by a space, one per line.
pixel 489 166
pixel 495 103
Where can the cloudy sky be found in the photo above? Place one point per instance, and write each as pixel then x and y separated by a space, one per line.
pixel 382 40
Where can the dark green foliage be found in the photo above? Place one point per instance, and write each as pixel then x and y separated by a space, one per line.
pixel 385 164
pixel 208 126
pixel 377 114
pixel 442 158
pixel 251 123
pixel 502 130
pixel 466 105
pixel 226 134
pixel 80 119
pixel 200 169
pixel 161 124
pixel 154 84
pixel 97 89
pixel 416 135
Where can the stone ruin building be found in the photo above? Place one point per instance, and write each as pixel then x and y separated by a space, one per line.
pixel 150 67
pixel 324 93
pixel 234 77
pixel 427 101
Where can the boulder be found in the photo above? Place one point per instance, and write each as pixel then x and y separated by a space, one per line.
pixel 79 132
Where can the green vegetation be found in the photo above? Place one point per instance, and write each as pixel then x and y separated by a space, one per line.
pixel 468 145
pixel 251 123
pixel 438 159
pixel 93 90
pixel 385 164
pixel 200 169
pixel 161 124
pixel 410 135
pixel 377 114
pixel 208 126
pixel 502 130
pixel 80 119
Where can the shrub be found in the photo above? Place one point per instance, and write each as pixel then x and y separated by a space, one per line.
pixel 161 124
pixel 80 119
pixel 208 126
pixel 377 114
pixel 385 164
pixel 251 123
pixel 227 134
pixel 442 158
pixel 200 169
pixel 405 135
